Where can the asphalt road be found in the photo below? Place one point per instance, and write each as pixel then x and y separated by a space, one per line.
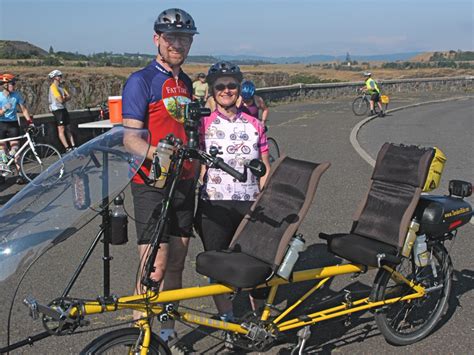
pixel 317 131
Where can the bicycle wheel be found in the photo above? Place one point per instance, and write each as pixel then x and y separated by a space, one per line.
pixel 273 150
pixel 125 341
pixel 360 106
pixel 32 164
pixel 407 322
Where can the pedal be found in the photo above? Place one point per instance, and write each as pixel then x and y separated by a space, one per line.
pixel 32 305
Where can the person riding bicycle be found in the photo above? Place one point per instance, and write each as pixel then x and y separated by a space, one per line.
pixel 201 89
pixel 10 101
pixel 373 90
pixel 153 98
pixel 57 97
pixel 252 104
pixel 224 201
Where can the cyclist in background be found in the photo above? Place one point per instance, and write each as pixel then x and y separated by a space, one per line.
pixel 58 96
pixel 10 101
pixel 224 201
pixel 201 89
pixel 373 90
pixel 251 103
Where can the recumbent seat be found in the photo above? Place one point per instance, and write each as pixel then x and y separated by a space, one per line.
pixel 260 242
pixel 382 220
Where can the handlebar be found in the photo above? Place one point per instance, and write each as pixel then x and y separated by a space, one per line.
pixel 220 164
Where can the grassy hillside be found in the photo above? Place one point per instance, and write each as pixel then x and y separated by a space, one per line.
pixel 20 50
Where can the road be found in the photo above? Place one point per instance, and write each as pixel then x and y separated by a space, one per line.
pixel 317 131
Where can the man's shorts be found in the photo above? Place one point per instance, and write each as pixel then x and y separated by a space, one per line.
pixel 375 97
pixel 62 117
pixel 148 201
pixel 9 129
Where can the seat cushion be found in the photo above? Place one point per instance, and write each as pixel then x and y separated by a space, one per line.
pixel 360 250
pixel 233 268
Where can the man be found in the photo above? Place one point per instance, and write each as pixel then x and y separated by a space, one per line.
pixel 58 96
pixel 10 101
pixel 153 98
pixel 372 89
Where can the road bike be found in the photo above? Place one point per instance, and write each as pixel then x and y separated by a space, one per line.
pixel 361 104
pixel 34 158
pixel 408 249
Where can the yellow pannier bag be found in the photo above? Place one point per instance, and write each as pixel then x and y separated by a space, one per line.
pixel 435 171
pixel 385 99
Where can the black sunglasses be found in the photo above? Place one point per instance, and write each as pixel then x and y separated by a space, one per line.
pixel 230 86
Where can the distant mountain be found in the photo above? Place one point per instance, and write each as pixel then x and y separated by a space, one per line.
pixel 319 58
pixel 20 50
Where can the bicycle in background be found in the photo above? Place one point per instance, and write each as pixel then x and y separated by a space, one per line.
pixel 34 158
pixel 361 104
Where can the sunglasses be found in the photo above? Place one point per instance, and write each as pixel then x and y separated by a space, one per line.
pixel 172 38
pixel 230 86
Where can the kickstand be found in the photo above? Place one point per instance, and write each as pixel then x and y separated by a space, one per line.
pixel 303 335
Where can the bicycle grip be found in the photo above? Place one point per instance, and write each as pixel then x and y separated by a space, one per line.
pixel 219 163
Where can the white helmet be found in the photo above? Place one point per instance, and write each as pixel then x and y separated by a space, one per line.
pixel 54 74
pixel 367 73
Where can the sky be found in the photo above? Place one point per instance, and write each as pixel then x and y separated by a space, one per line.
pixel 273 28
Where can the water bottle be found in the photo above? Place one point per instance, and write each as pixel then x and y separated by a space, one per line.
pixel 164 151
pixel 420 251
pixel 410 238
pixel 296 246
pixel 118 223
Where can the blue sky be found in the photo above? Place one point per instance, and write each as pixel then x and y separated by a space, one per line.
pixel 253 27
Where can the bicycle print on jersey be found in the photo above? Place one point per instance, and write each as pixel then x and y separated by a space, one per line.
pixel 238 142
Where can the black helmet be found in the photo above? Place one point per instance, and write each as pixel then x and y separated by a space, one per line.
pixel 224 69
pixel 175 20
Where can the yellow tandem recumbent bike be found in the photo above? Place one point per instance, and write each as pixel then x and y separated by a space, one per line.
pixel 396 230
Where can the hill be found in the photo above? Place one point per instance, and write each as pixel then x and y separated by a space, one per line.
pixel 319 58
pixel 20 50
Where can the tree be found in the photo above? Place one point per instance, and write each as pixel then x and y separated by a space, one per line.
pixel 51 50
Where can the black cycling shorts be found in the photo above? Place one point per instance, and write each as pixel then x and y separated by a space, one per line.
pixel 375 97
pixel 62 117
pixel 217 221
pixel 148 201
pixel 9 129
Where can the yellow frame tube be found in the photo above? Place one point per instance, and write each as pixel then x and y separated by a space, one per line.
pixel 301 300
pixel 146 301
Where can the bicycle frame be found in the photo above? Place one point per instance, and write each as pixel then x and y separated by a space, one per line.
pixel 151 303
pixel 29 142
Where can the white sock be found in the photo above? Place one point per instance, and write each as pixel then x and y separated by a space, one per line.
pixel 167 333
pixel 227 317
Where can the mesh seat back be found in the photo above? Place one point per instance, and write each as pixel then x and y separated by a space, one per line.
pixel 266 230
pixel 399 175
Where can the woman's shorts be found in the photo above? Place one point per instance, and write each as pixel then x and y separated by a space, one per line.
pixel 62 117
pixel 9 129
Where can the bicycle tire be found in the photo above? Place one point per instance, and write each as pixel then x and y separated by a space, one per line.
pixel 125 338
pixel 404 323
pixel 360 106
pixel 31 168
pixel 273 150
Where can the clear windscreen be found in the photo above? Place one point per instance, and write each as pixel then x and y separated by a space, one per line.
pixel 60 202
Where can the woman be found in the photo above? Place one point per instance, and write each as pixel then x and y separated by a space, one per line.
pixel 252 104
pixel 240 137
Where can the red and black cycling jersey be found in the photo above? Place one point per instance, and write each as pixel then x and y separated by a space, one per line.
pixel 152 95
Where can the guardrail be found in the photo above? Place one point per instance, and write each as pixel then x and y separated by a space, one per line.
pixel 284 93
pixel 333 90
